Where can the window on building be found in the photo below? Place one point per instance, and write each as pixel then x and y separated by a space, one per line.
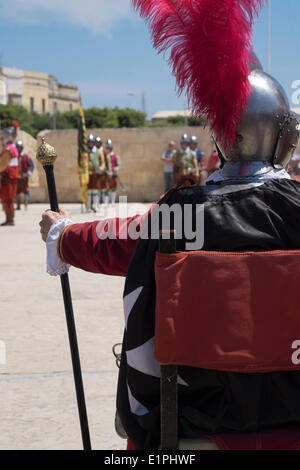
pixel 14 99
pixel 43 106
pixel 31 104
pixel 71 107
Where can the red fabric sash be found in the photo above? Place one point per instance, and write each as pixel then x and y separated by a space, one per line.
pixel 272 439
pixel 25 163
pixel 114 160
pixel 234 312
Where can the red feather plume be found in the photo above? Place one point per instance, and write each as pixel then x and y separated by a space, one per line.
pixel 210 43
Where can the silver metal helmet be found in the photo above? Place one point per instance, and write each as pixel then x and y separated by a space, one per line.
pixel 7 135
pixel 19 144
pixel 193 140
pixel 91 138
pixel 185 138
pixel 109 144
pixel 254 63
pixel 268 131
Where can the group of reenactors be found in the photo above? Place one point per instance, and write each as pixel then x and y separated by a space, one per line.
pixel 104 166
pixel 16 167
pixel 188 161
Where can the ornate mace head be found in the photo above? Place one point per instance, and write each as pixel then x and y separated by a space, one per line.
pixel 46 154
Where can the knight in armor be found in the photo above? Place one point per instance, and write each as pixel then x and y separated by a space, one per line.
pixel 26 168
pixel 96 165
pixel 185 161
pixel 250 204
pixel 201 160
pixel 113 167
pixel 9 174
pixel 101 172
pixel 98 143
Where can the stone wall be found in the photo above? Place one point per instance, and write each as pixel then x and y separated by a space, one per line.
pixel 140 151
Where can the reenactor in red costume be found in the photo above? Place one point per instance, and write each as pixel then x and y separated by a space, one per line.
pixel 201 160
pixel 113 167
pixel 9 173
pixel 26 168
pixel 102 177
pixel 96 169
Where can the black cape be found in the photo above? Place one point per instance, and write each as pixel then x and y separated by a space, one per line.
pixel 266 217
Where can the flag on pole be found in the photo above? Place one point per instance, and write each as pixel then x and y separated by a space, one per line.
pixel 83 159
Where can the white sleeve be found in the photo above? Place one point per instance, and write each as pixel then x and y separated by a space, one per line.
pixel 55 266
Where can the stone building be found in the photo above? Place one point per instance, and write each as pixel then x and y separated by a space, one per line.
pixel 37 92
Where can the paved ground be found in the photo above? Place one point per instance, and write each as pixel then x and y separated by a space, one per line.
pixel 37 395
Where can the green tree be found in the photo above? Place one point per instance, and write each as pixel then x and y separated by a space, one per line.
pixel 95 117
pixel 194 121
pixel 130 118
pixel 42 121
pixel 9 113
pixel 62 122
pixel 111 119
pixel 72 118
pixel 159 123
pixel 177 120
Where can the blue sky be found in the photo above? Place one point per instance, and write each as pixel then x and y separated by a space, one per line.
pixel 104 48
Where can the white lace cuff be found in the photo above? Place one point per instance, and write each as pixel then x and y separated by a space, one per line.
pixel 55 266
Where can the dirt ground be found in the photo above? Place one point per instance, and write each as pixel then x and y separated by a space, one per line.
pixel 37 394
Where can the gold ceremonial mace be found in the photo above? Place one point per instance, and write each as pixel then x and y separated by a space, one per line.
pixel 47 155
